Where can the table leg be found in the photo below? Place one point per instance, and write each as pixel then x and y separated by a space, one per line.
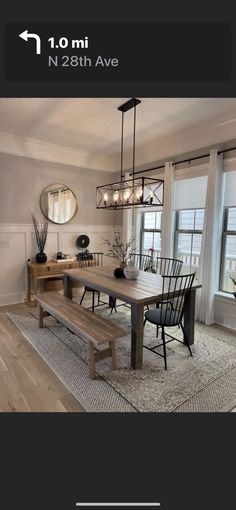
pixel 189 316
pixel 28 286
pixel 111 301
pixel 137 335
pixel 35 286
pixel 112 304
pixel 67 287
pixel 41 316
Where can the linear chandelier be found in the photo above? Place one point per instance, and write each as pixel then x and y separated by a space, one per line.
pixel 134 192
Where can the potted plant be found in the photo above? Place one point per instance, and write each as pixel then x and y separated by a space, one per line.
pixel 41 238
pixel 119 251
pixel 234 282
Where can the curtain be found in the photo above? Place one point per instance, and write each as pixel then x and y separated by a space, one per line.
pixel 68 209
pixel 168 211
pixel 60 206
pixel 211 239
pixel 61 202
pixel 129 225
pixel 50 205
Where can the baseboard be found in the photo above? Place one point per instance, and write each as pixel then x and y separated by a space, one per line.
pixel 227 323
pixel 12 299
pixel 225 310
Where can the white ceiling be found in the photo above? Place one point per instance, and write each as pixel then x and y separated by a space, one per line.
pixel 165 127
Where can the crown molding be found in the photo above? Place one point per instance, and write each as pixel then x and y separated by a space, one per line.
pixel 37 149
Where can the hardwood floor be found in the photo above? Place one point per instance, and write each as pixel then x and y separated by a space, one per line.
pixel 27 384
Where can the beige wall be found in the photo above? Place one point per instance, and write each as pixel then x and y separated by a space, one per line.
pixel 23 179
pixel 21 183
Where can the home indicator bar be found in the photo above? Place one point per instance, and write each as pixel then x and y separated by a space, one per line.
pixel 93 505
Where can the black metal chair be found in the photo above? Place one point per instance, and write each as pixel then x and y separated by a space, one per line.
pixel 91 260
pixel 143 262
pixel 175 289
pixel 168 266
pixel 159 265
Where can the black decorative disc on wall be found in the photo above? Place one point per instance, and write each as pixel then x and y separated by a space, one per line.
pixel 82 241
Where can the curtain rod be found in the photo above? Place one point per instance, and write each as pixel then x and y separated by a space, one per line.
pixel 55 192
pixel 182 161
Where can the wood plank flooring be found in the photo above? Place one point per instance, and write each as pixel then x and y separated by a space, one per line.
pixel 27 384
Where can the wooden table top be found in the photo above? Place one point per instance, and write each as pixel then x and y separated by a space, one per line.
pixel 146 289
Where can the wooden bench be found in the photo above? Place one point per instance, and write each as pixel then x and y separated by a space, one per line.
pixel 87 325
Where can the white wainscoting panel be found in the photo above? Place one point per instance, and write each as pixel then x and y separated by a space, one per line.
pixel 12 266
pixel 17 245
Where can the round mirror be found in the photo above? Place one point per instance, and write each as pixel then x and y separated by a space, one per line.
pixel 58 203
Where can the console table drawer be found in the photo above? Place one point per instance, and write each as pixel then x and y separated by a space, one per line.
pixel 46 270
pixel 49 270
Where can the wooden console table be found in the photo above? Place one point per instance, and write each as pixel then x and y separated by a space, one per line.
pixel 49 270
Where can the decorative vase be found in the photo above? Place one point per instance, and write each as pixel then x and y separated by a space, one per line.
pixel 119 272
pixel 131 272
pixel 41 257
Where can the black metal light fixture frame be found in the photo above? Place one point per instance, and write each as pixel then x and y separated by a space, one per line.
pixel 134 192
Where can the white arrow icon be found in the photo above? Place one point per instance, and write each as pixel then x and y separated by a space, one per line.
pixel 25 35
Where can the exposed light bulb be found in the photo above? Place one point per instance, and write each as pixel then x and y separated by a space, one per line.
pixel 105 198
pixel 126 196
pixel 139 194
pixel 116 197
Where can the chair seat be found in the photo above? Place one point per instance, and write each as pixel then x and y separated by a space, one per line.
pixel 166 318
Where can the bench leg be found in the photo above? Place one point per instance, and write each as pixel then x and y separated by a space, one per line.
pixel 41 315
pixel 92 371
pixel 113 354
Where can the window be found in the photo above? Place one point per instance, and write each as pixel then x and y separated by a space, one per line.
pixel 188 241
pixel 228 258
pixel 151 232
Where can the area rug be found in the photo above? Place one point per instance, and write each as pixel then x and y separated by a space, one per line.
pixel 218 395
pixel 204 383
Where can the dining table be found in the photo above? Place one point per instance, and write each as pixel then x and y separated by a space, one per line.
pixel 146 290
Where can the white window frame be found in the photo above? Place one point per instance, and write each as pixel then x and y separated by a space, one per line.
pixel 150 230
pixel 225 233
pixel 186 231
